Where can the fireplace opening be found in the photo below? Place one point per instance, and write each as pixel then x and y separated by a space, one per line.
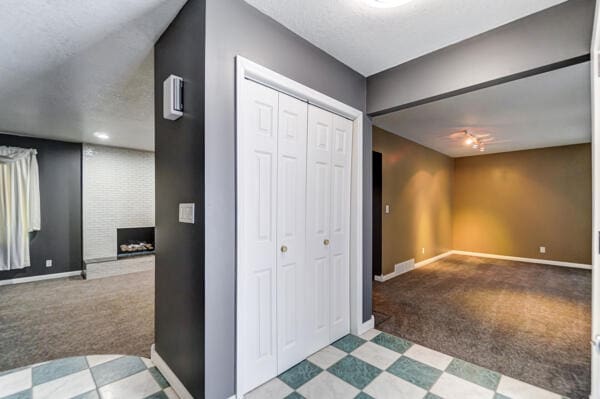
pixel 135 241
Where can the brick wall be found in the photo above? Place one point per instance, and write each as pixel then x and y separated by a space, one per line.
pixel 118 191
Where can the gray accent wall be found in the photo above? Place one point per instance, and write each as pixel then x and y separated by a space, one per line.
pixel 60 203
pixel 554 35
pixel 179 161
pixel 233 27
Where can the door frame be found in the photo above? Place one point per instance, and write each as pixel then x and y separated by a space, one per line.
pixel 246 69
pixel 595 90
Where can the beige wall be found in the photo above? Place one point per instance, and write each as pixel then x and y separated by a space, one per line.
pixel 504 204
pixel 513 203
pixel 417 184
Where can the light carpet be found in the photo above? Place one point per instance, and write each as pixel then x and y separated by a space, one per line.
pixel 54 319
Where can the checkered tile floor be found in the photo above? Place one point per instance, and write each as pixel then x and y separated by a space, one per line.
pixel 382 366
pixel 87 377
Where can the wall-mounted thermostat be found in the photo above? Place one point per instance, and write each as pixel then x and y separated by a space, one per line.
pixel 173 98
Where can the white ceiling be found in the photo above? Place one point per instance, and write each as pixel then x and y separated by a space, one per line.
pixel 545 110
pixel 71 68
pixel 370 39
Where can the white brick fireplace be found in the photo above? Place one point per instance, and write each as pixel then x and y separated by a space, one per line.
pixel 118 192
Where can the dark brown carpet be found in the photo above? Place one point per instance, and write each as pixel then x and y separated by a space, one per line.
pixel 67 317
pixel 527 321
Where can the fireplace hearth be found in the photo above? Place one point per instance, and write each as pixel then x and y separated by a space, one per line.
pixel 135 241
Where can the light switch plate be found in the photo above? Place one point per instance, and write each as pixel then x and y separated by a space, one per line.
pixel 48 262
pixel 186 213
pixel 387 209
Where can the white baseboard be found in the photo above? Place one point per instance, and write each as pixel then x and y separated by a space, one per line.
pixel 527 260
pixel 401 268
pixel 431 260
pixel 366 326
pixel 169 375
pixel 409 265
pixel 52 276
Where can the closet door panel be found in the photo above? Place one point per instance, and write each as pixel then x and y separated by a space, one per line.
pixel 341 158
pixel 291 232
pixel 318 215
pixel 257 223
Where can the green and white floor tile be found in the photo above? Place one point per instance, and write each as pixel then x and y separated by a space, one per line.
pixel 375 365
pixel 381 366
pixel 87 377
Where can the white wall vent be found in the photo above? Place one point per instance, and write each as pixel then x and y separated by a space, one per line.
pixel 403 267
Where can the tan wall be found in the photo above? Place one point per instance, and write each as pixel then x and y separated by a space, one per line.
pixel 504 204
pixel 417 184
pixel 513 203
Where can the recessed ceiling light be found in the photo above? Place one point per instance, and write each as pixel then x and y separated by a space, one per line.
pixel 102 135
pixel 386 3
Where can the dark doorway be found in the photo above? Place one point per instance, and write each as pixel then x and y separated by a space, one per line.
pixel 377 211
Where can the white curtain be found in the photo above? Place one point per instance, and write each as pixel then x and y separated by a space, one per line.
pixel 19 205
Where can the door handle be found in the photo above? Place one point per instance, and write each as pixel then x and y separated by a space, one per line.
pixel 284 249
pixel 326 242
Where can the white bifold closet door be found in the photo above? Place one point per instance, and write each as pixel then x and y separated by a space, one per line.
pixel 291 233
pixel 329 155
pixel 293 229
pixel 272 270
pixel 257 221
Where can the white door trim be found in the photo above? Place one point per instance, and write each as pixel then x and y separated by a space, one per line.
pixel 595 82
pixel 246 69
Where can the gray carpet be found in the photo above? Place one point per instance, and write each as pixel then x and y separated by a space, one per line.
pixel 53 319
pixel 527 321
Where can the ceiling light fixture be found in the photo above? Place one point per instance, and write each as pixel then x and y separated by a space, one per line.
pixel 386 3
pixel 102 135
pixel 474 142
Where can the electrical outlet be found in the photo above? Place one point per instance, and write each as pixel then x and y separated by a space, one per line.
pixel 542 250
pixel 423 251
pixel 48 262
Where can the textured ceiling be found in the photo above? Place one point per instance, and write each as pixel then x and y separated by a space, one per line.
pixel 370 39
pixel 545 110
pixel 71 68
